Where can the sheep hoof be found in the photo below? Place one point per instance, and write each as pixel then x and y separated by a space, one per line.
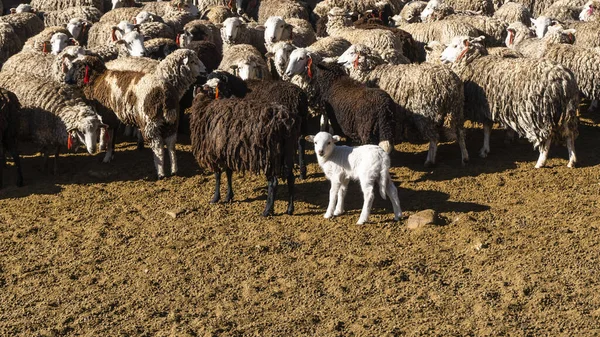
pixel 537 166
pixel 465 162
pixel 571 164
pixel 215 199
pixel 429 164
pixel 290 211
pixel 303 173
pixel 228 199
pixel 336 213
pixel 327 216
pixel 483 153
pixel 267 213
pixel 361 222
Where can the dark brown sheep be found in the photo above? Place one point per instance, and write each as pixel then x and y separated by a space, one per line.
pixel 244 135
pixel 9 129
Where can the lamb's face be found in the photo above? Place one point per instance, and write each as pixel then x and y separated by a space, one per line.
pixel 352 57
pixel 541 25
pixel 59 41
pixel 299 62
pixel 248 71
pixel 185 39
pixel 134 43
pixel 274 29
pixel 118 3
pixel 282 56
pixel 126 27
pixel 196 66
pixel 230 29
pixel 588 11
pixel 324 143
pixel 429 9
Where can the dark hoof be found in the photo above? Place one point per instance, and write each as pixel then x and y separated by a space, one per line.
pixel 303 173
pixel 228 199
pixel 215 200
pixel 290 211
pixel 267 213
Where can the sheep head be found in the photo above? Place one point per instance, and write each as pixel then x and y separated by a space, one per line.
pixel 324 143
pixel 354 57
pixel 540 25
pixel 517 32
pixel 557 34
pixel 301 62
pixel 77 27
pixel 280 54
pixel 58 42
pixel 231 29
pixel 23 8
pixel 86 126
pixel 133 43
pixel 589 10
pixel 274 27
pixel 463 48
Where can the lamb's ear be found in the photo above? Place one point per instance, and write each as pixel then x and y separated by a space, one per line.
pixel 336 138
pixel 310 138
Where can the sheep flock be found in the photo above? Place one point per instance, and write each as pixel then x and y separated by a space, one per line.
pixel 251 82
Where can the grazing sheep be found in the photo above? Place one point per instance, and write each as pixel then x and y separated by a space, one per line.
pixel 299 31
pixel 64 16
pixel 235 31
pixel 361 113
pixel 9 129
pixel 25 25
pixel 58 5
pixel 280 92
pixel 10 43
pixel 149 101
pixel 513 12
pixel 245 135
pixel 368 164
pixel 537 99
pixel 438 104
pixel 55 114
pixel 245 61
pixel 286 9
pixel 382 41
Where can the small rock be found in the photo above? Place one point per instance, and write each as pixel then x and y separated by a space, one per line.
pixel 422 219
pixel 176 213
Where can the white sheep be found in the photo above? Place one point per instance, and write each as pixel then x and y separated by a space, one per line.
pixel 367 163
pixel 299 31
pixel 235 31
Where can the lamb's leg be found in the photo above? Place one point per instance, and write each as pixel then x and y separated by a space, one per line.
pixel 544 149
pixel 301 163
pixel 217 194
pixel 110 145
pixel 487 130
pixel 333 193
pixel 339 209
pixel 229 196
pixel 392 193
pixel 171 141
pixel 271 191
pixel 571 148
pixel 159 160
pixel 367 189
pixel 460 134
pixel 431 154
pixel 15 154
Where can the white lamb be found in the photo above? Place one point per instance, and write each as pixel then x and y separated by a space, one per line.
pixel 367 163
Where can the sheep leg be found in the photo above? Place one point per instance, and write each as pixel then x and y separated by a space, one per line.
pixel 56 155
pixel 333 193
pixel 301 163
pixel 229 197
pixel 159 156
pixel 17 160
pixel 487 130
pixel 171 141
pixel 217 194
pixel 593 106
pixel 140 139
pixel 509 136
pixel 290 184
pixel 369 196
pixel 2 163
pixel 460 134
pixel 339 209
pixel 110 145
pixel 271 191
pixel 431 154
pixel 103 146
pixel 571 148
pixel 392 193
pixel 544 149
pixel 46 155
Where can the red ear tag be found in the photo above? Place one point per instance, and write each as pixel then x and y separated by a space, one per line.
pixel 69 141
pixel 177 41
pixel 44 48
pixel 355 63
pixel 86 78
pixel 113 35
pixel 230 4
pixel 217 93
pixel 308 66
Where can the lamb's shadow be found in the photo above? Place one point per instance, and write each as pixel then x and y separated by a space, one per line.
pixel 316 194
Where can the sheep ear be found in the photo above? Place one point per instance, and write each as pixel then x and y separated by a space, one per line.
pixel 336 138
pixel 533 21
pixel 13 10
pixel 310 138
pixel 269 55
pixel 570 31
pixel 185 61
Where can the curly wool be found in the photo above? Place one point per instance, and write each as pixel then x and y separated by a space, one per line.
pixel 486 7
pixel 217 14
pixel 588 33
pixel 10 43
pixel 411 13
pixel 361 6
pixel 243 53
pixel 535 98
pixel 513 12
pixel 63 16
pixel 242 135
pixel 408 44
pixel 155 30
pixel 35 63
pixel 493 29
pixel 58 5
pixel 37 42
pixel 432 96
pixel 25 25
pixel 287 9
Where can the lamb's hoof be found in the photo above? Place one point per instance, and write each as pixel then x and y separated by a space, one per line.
pixel 338 213
pixel 361 222
pixel 161 177
pixel 290 211
pixel 328 215
pixel 397 218
pixel 537 166
pixel 267 213
pixel 215 199
pixel 228 199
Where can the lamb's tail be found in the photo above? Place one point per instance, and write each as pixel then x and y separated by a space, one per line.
pixel 384 174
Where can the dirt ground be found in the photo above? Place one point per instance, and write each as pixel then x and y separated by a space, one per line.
pixel 93 252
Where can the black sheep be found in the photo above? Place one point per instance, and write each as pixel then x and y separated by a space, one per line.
pixel 244 135
pixel 9 129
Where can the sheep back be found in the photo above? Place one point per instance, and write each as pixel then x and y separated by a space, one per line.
pixel 25 25
pixel 62 17
pixel 10 42
pixel 56 5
